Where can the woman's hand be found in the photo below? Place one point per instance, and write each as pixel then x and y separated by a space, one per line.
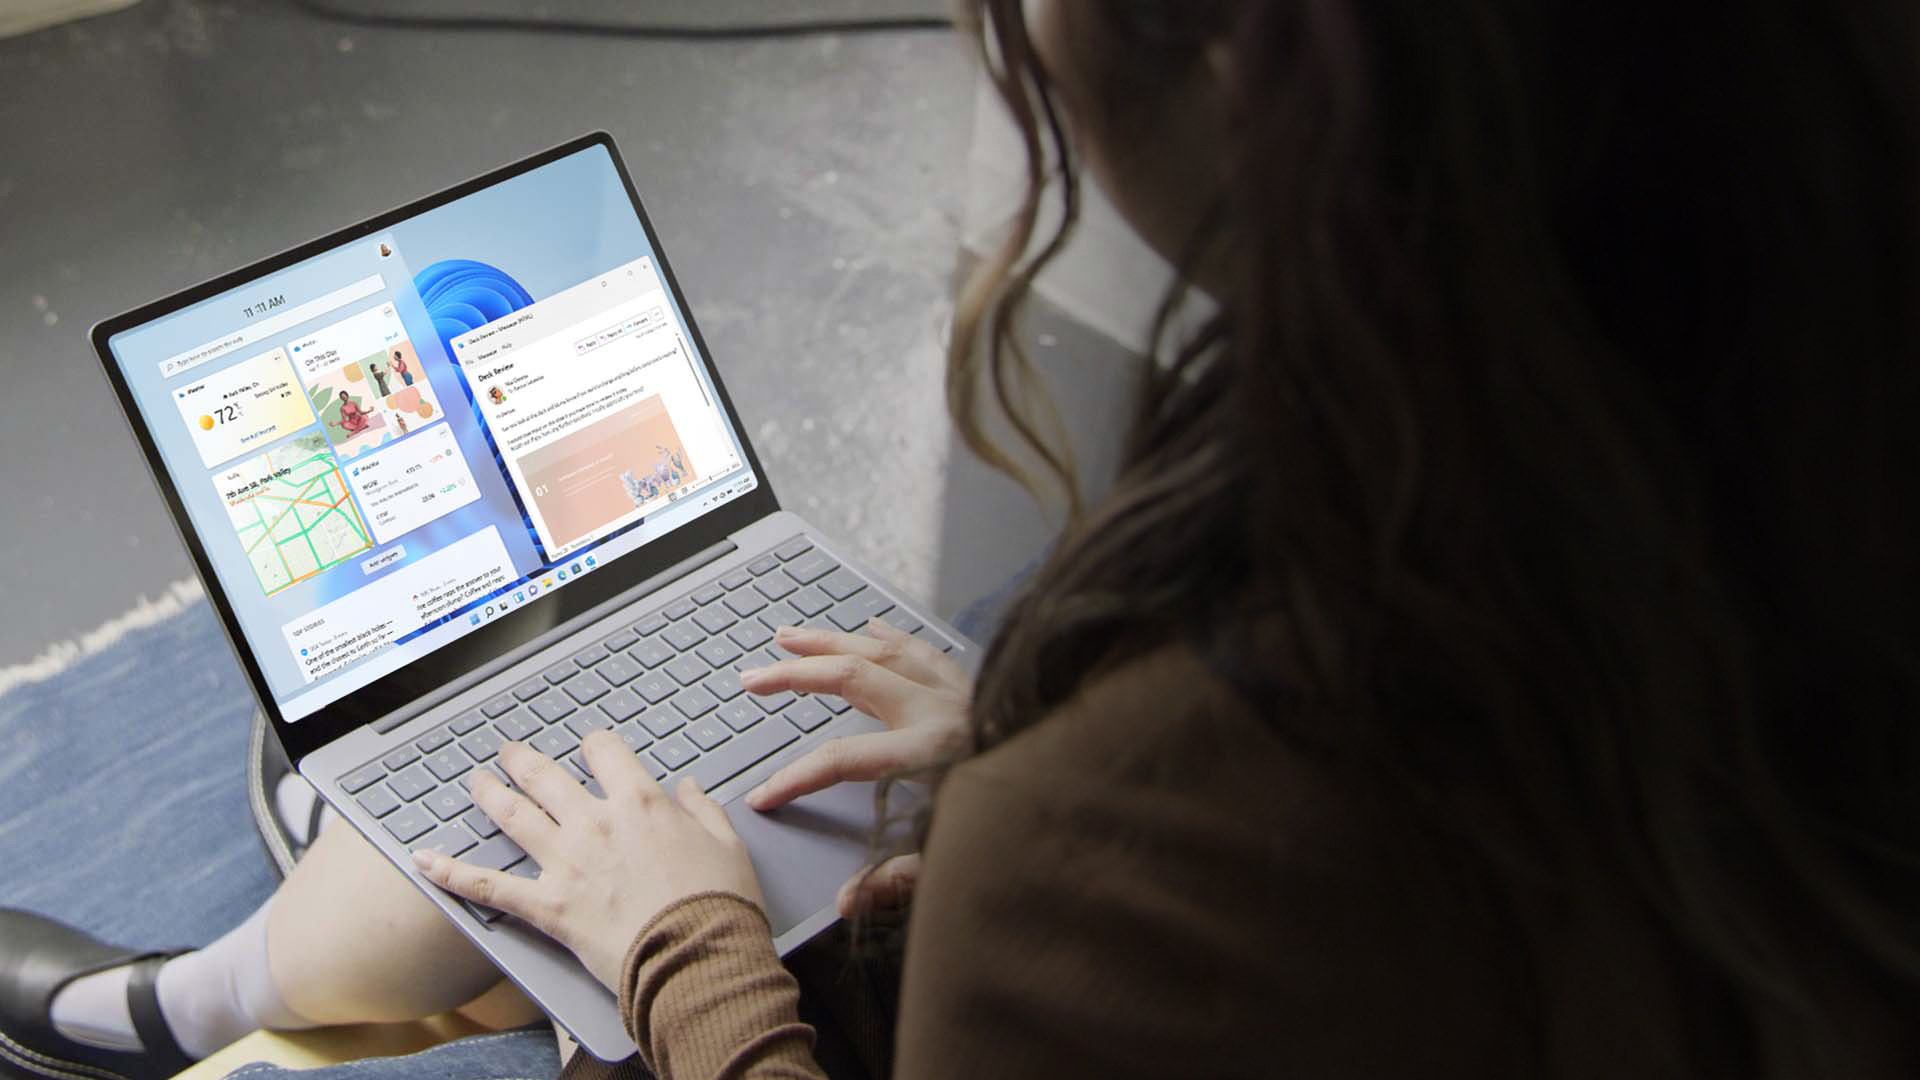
pixel 910 686
pixel 607 866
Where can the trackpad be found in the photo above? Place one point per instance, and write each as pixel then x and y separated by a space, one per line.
pixel 807 848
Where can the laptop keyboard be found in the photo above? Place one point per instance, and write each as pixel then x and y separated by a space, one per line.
pixel 668 685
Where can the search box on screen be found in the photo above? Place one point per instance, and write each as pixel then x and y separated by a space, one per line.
pixel 286 320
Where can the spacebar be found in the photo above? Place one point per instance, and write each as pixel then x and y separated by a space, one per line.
pixel 740 753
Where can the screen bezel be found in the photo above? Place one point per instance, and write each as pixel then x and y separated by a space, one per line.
pixel 429 673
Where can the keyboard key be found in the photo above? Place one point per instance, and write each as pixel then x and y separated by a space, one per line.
pixel 708 733
pixel 433 740
pixel 678 610
pixel 810 601
pixel 519 724
pixel 762 565
pixel 556 741
pixel 713 619
pixel 741 753
pixel 675 752
pixel 793 548
pixel 724 685
pixel 852 614
pixel 410 783
pixel 655 686
pixel 650 625
pixel 559 673
pixel 694 703
pixel 588 688
pixel 775 587
pixel 449 840
pixel 493 767
pixel 529 690
pixel 466 722
pixel 360 778
pixel 683 636
pixel 482 912
pixel 719 651
pixel 661 722
pixel 707 594
pixel 620 642
pixel 525 868
pixel 578 768
pixel 807 715
pixel 589 656
pixel 750 635
pixel 740 715
pixel 811 567
pixel 634 736
pixel 651 653
pixel 735 580
pixel 497 853
pixel 380 801
pixel 502 704
pixel 773 703
pixel 834 703
pixel 619 705
pixel 686 670
pixel 482 745
pixel 587 721
pixel 927 634
pixel 745 602
pixel 400 758
pixel 621 670
pixel 448 803
pixel 409 823
pixel 447 763
pixel 841 584
pixel 551 707
pixel 482 825
pixel 902 620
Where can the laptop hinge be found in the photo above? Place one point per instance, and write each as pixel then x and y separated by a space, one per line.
pixel 631 596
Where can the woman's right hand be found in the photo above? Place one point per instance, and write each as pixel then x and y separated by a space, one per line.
pixel 913 688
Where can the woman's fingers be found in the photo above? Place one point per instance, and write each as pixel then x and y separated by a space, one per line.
pixel 884 645
pixel 705 811
pixel 523 822
pixel 513 895
pixel 545 782
pixel 869 687
pixel 889 885
pixel 616 767
pixel 852 757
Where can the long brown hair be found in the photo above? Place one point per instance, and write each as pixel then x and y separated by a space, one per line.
pixel 1548 471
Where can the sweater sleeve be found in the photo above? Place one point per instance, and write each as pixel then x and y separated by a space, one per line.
pixel 704 995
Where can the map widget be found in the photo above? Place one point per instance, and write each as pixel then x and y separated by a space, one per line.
pixel 292 513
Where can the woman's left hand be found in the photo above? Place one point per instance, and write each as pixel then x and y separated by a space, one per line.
pixel 607 866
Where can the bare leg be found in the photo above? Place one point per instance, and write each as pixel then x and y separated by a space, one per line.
pixel 350 940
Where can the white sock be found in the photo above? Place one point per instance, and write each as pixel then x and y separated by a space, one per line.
pixel 209 997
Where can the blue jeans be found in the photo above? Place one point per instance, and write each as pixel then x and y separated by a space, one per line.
pixel 123 811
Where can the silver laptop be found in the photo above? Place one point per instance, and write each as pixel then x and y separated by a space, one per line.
pixel 465 473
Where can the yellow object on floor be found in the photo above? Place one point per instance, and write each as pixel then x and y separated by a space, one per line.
pixel 331 1046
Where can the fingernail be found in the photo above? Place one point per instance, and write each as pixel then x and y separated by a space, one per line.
pixel 425 858
pixel 756 796
pixel 785 631
pixel 751 676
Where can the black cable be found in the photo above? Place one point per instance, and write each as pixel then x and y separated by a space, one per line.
pixel 378 20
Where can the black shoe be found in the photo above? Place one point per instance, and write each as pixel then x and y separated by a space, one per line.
pixel 39 956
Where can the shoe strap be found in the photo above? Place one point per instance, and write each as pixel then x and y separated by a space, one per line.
pixel 143 1004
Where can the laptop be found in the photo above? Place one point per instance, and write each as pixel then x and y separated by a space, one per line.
pixel 466 472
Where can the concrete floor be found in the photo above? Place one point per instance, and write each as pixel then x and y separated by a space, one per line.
pixel 806 191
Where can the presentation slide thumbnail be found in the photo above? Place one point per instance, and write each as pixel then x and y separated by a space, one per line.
pixel 292 513
pixel 603 473
pixel 243 407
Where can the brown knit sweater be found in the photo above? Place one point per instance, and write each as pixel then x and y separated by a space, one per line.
pixel 1147 884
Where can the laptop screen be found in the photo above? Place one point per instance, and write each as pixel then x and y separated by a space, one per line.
pixel 389 445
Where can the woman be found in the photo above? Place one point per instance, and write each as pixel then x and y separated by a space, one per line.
pixel 353 418
pixel 1495 659
pixel 399 367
